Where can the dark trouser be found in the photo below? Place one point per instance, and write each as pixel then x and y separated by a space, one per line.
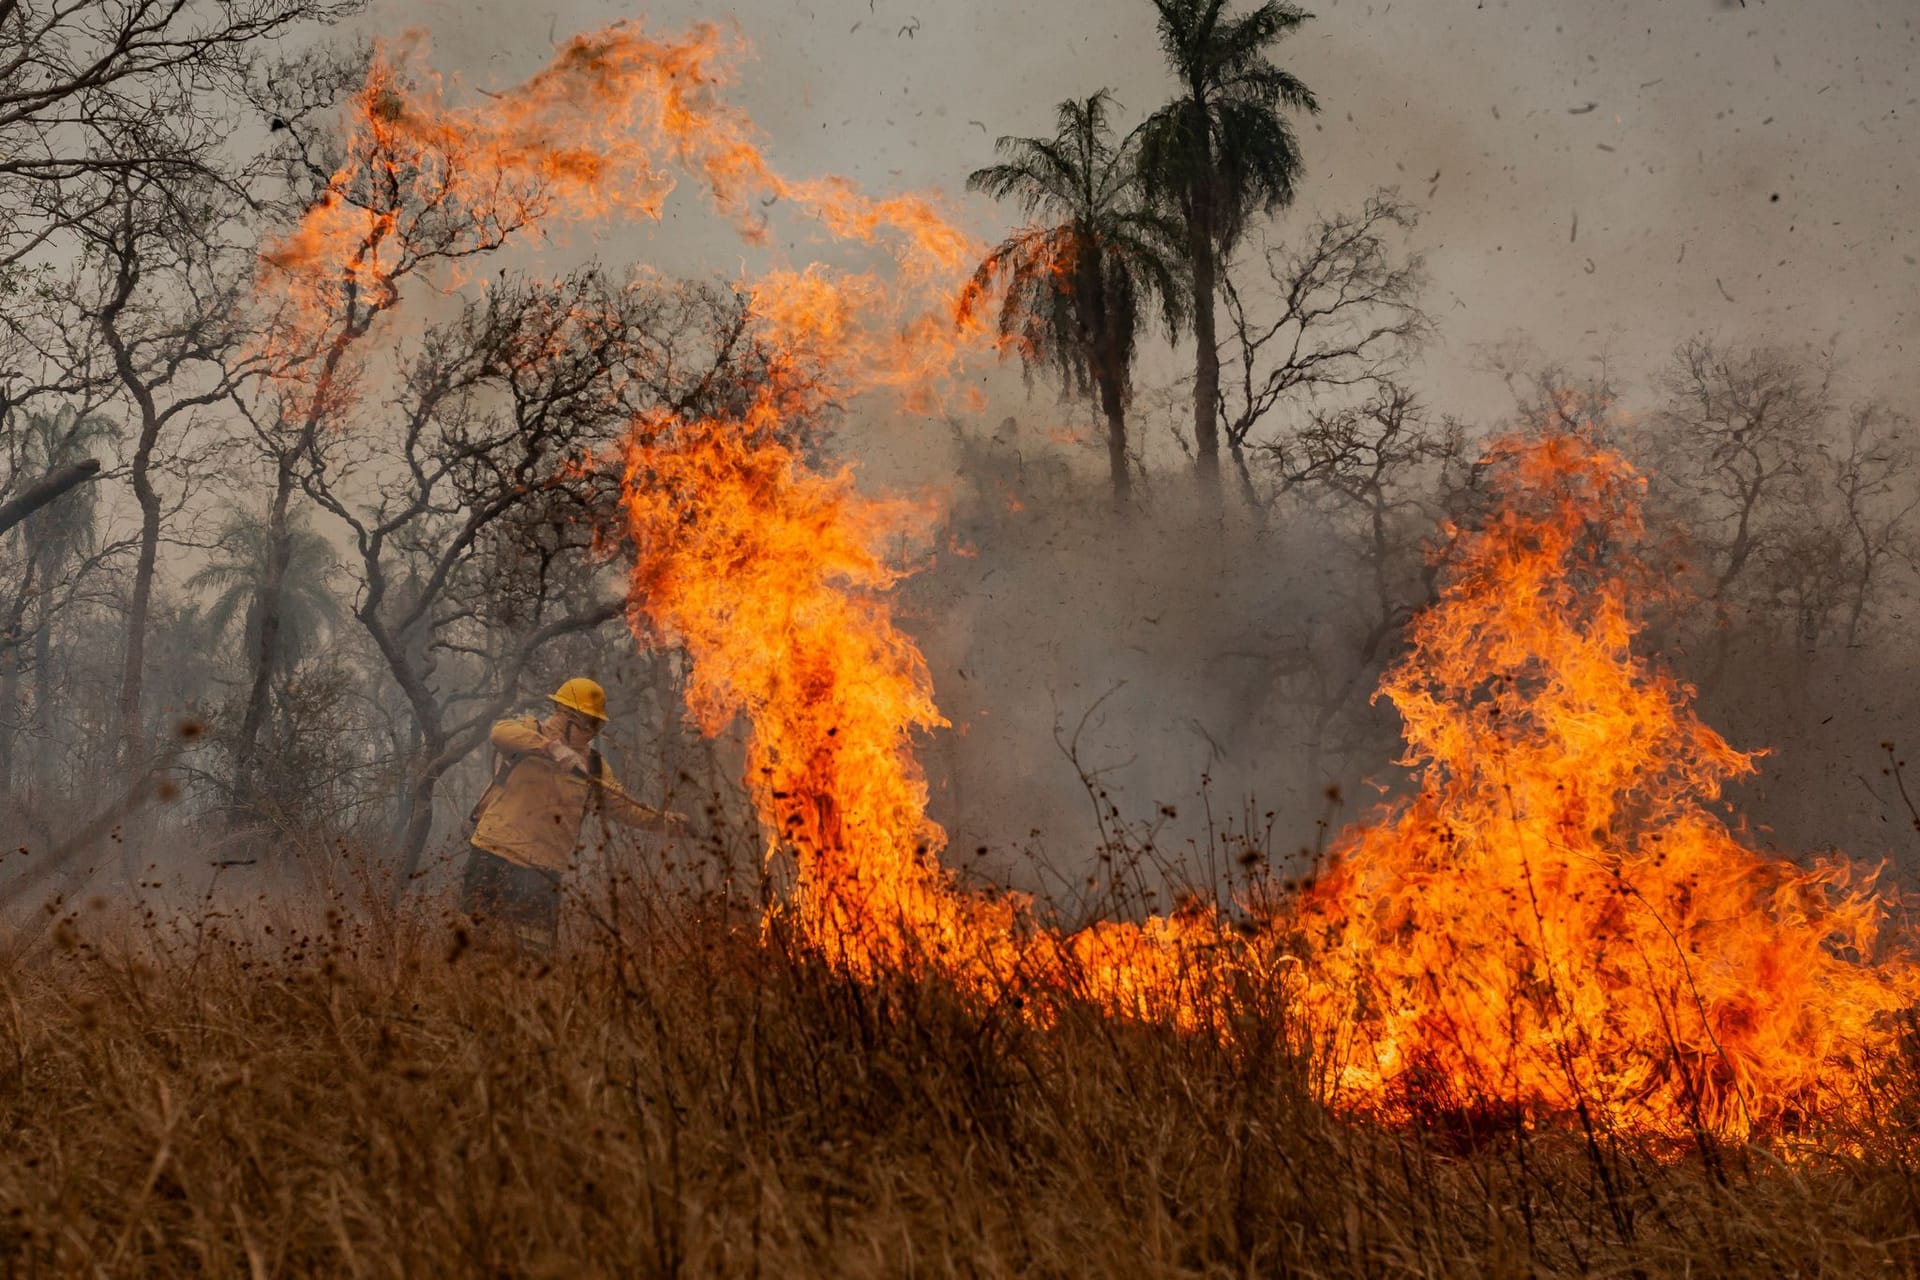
pixel 525 898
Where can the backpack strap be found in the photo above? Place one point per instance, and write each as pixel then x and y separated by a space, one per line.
pixel 503 763
pixel 596 774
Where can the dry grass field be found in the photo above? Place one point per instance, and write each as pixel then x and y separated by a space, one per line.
pixel 678 1092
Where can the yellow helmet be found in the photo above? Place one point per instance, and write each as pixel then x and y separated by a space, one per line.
pixel 582 695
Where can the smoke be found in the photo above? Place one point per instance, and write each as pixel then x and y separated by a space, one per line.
pixel 1167 672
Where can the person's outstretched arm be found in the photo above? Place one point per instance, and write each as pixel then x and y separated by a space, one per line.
pixel 627 811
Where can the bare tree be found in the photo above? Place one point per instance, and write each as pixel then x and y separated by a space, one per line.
pixel 96 96
pixel 1337 312
pixel 168 290
pixel 1874 476
pixel 117 128
pixel 408 227
pixel 1376 475
pixel 1550 396
pixel 139 90
pixel 53 563
pixel 1739 428
pixel 472 515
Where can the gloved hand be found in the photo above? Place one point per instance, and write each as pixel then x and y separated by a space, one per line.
pixel 565 756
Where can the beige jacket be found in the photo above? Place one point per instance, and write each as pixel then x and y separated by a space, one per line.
pixel 533 817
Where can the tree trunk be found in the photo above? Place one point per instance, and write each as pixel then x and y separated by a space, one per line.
pixel 133 672
pixel 42 672
pixel 416 826
pixel 132 730
pixel 131 712
pixel 48 488
pixel 266 618
pixel 42 724
pixel 1118 466
pixel 416 809
pixel 432 754
pixel 1206 367
pixel 1249 492
pixel 9 719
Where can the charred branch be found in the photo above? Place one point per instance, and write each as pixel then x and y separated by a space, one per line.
pixel 47 489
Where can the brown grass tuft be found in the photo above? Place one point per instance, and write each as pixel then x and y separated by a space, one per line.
pixel 687 1095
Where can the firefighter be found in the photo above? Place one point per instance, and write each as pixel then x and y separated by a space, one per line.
pixel 547 776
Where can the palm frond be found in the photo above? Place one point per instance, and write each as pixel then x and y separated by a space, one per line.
pixel 308 607
pixel 1224 149
pixel 1241 43
pixel 1073 286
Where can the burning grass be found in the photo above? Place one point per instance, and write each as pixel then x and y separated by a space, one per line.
pixel 683 1090
pixel 1564 920
pixel 1551 995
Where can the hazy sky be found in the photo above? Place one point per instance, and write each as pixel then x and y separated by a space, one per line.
pixel 1737 169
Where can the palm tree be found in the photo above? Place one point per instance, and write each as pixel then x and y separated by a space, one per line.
pixel 1219 151
pixel 62 529
pixel 58 532
pixel 1079 277
pixel 308 609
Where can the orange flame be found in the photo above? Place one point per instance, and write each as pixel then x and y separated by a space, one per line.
pixel 762 567
pixel 766 572
pixel 420 181
pixel 1558 921
pixel 598 133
